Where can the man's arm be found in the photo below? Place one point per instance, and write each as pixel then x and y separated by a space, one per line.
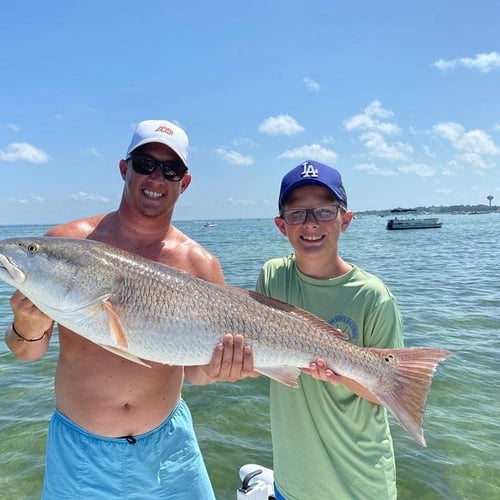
pixel 29 334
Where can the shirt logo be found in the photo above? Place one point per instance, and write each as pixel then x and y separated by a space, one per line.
pixel 164 130
pixel 346 325
pixel 308 171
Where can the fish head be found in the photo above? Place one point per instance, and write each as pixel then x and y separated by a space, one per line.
pixel 21 260
pixel 56 274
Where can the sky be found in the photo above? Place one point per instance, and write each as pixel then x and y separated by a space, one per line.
pixel 403 98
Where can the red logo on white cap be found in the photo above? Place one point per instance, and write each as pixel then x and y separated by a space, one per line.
pixel 165 130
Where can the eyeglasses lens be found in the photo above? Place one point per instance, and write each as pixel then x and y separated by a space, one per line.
pixel 321 214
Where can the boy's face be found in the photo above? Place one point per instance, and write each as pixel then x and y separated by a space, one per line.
pixel 313 237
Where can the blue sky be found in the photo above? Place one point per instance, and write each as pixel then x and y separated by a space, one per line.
pixel 403 98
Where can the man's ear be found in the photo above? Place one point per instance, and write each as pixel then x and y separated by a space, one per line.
pixel 186 180
pixel 123 165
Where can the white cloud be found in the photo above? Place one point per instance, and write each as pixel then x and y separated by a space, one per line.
pixel 280 125
pixel 32 198
pixel 482 62
pixel 419 169
pixel 328 139
pixel 474 159
pixel 311 84
pixel 234 157
pixel 429 152
pixel 471 146
pixel 18 151
pixel 313 152
pixel 93 152
pixel 81 196
pixel 370 119
pixel 377 146
pixel 12 127
pixel 248 201
pixel 372 169
pixel 243 141
pixel 449 130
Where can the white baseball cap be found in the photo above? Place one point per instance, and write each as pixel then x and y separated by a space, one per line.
pixel 161 131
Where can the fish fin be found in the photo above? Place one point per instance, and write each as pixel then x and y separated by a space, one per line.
pixel 405 394
pixel 293 310
pixel 115 325
pixel 286 375
pixel 124 354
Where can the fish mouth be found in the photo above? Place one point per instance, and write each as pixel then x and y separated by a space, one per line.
pixel 9 272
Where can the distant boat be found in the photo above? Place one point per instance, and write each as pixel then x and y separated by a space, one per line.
pixel 412 222
pixel 210 224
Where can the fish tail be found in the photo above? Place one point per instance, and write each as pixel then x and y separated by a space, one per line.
pixel 407 393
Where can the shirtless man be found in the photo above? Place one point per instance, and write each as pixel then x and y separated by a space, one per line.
pixel 121 430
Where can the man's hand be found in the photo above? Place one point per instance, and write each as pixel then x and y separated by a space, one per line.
pixel 28 319
pixel 232 360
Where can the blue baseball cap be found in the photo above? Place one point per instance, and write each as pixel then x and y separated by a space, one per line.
pixel 315 173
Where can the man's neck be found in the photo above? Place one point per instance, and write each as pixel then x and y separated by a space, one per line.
pixel 140 230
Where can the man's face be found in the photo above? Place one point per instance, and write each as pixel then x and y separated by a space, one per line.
pixel 153 195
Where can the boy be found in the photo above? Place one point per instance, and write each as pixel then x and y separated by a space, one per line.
pixel 331 437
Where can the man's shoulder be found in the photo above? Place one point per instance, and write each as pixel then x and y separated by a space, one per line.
pixel 80 228
pixel 189 255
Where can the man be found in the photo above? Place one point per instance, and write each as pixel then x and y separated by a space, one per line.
pixel 331 437
pixel 121 430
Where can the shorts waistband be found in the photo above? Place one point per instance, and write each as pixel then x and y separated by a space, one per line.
pixel 132 439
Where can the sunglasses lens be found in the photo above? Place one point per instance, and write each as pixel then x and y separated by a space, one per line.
pixel 171 170
pixel 143 165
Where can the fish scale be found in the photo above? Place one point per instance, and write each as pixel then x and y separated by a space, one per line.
pixel 147 311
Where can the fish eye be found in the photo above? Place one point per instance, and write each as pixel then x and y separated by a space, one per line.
pixel 33 248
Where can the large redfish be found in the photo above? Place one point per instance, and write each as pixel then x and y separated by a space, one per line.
pixel 143 310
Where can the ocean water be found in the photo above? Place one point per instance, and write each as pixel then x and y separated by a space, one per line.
pixel 447 285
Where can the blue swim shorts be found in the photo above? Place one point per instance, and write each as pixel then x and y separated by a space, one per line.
pixel 165 463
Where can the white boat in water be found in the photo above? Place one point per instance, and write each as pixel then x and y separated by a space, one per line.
pixel 412 222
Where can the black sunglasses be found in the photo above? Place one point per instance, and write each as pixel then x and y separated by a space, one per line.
pixel 172 170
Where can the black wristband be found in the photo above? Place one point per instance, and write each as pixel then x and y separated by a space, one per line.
pixel 20 338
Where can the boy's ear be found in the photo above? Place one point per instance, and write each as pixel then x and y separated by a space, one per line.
pixel 346 220
pixel 280 224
